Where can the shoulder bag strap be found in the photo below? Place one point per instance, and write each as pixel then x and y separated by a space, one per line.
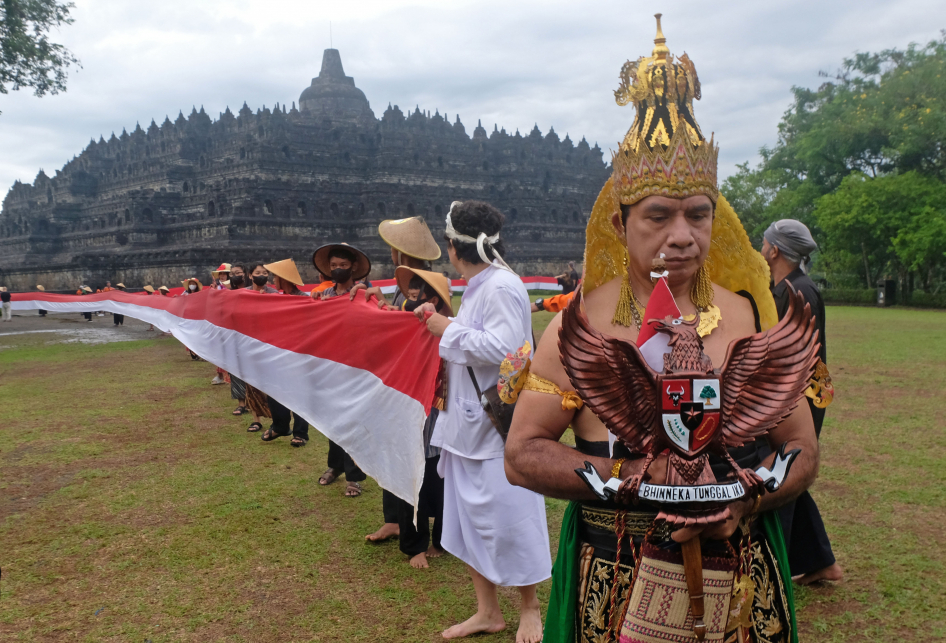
pixel 479 393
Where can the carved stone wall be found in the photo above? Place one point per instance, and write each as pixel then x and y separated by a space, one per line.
pixel 175 200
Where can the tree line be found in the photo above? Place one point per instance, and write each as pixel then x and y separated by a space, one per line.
pixel 861 160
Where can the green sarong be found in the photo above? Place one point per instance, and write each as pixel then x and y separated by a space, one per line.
pixel 563 602
pixel 772 527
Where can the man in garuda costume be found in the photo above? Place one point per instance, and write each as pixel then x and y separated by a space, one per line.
pixel 662 201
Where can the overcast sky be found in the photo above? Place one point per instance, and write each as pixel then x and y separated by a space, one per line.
pixel 514 63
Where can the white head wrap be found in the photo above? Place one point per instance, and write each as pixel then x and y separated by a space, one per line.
pixel 480 240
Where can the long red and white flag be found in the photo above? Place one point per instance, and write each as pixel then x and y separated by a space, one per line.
pixel 363 377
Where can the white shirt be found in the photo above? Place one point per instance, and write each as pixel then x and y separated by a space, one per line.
pixel 494 319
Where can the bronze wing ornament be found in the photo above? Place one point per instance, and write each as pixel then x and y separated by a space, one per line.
pixel 765 375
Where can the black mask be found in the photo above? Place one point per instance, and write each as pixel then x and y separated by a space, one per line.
pixel 236 281
pixel 411 304
pixel 260 280
pixel 341 275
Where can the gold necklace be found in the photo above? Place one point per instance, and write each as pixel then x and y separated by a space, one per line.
pixel 710 315
pixel 638 310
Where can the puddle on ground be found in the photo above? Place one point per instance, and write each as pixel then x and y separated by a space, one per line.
pixel 94 336
pixel 79 336
pixel 27 332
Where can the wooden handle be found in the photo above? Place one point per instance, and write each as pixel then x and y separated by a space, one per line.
pixel 693 569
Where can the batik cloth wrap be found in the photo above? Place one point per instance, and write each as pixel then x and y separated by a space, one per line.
pixel 257 403
pixel 583 578
pixel 237 388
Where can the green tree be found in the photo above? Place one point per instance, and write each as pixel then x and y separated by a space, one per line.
pixel 881 115
pixel 889 221
pixel 921 247
pixel 27 57
pixel 750 192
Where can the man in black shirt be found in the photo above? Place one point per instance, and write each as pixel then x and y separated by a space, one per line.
pixel 786 247
pixel 345 265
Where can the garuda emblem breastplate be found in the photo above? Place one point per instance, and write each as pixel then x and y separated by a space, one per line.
pixel 691 408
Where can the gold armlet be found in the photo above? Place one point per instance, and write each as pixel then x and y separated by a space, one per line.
pixel 570 399
pixel 616 468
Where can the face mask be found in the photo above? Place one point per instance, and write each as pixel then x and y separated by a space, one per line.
pixel 192 287
pixel 411 304
pixel 236 281
pixel 260 280
pixel 341 275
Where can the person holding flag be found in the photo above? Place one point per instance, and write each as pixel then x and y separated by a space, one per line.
pixel 412 246
pixel 118 319
pixel 39 287
pixel 345 265
pixel 219 276
pixel 85 290
pixel 661 242
pixel 149 291
pixel 286 280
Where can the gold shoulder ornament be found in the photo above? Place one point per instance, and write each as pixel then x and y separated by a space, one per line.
pixel 820 389
pixel 515 376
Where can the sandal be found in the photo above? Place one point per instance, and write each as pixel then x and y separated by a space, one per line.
pixel 271 435
pixel 328 477
pixel 353 490
pixel 298 442
pixel 253 428
pixel 240 410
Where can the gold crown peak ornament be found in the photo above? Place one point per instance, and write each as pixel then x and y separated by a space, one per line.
pixel 664 153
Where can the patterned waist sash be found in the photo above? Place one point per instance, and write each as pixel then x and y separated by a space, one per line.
pixel 597 527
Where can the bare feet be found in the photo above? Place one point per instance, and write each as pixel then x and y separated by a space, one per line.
pixel 433 552
pixel 833 573
pixel 488 623
pixel 388 530
pixel 530 625
pixel 419 561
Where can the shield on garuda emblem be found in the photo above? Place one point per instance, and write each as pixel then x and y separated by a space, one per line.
pixel 690 412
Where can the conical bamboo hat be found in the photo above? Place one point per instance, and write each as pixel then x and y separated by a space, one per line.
pixel 285 269
pixel 410 236
pixel 321 262
pixel 438 282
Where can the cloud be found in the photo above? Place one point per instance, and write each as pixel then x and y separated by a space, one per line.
pixel 514 64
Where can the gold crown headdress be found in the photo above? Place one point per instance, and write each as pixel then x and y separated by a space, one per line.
pixel 665 136
pixel 664 153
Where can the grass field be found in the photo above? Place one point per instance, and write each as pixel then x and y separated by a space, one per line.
pixel 133 507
